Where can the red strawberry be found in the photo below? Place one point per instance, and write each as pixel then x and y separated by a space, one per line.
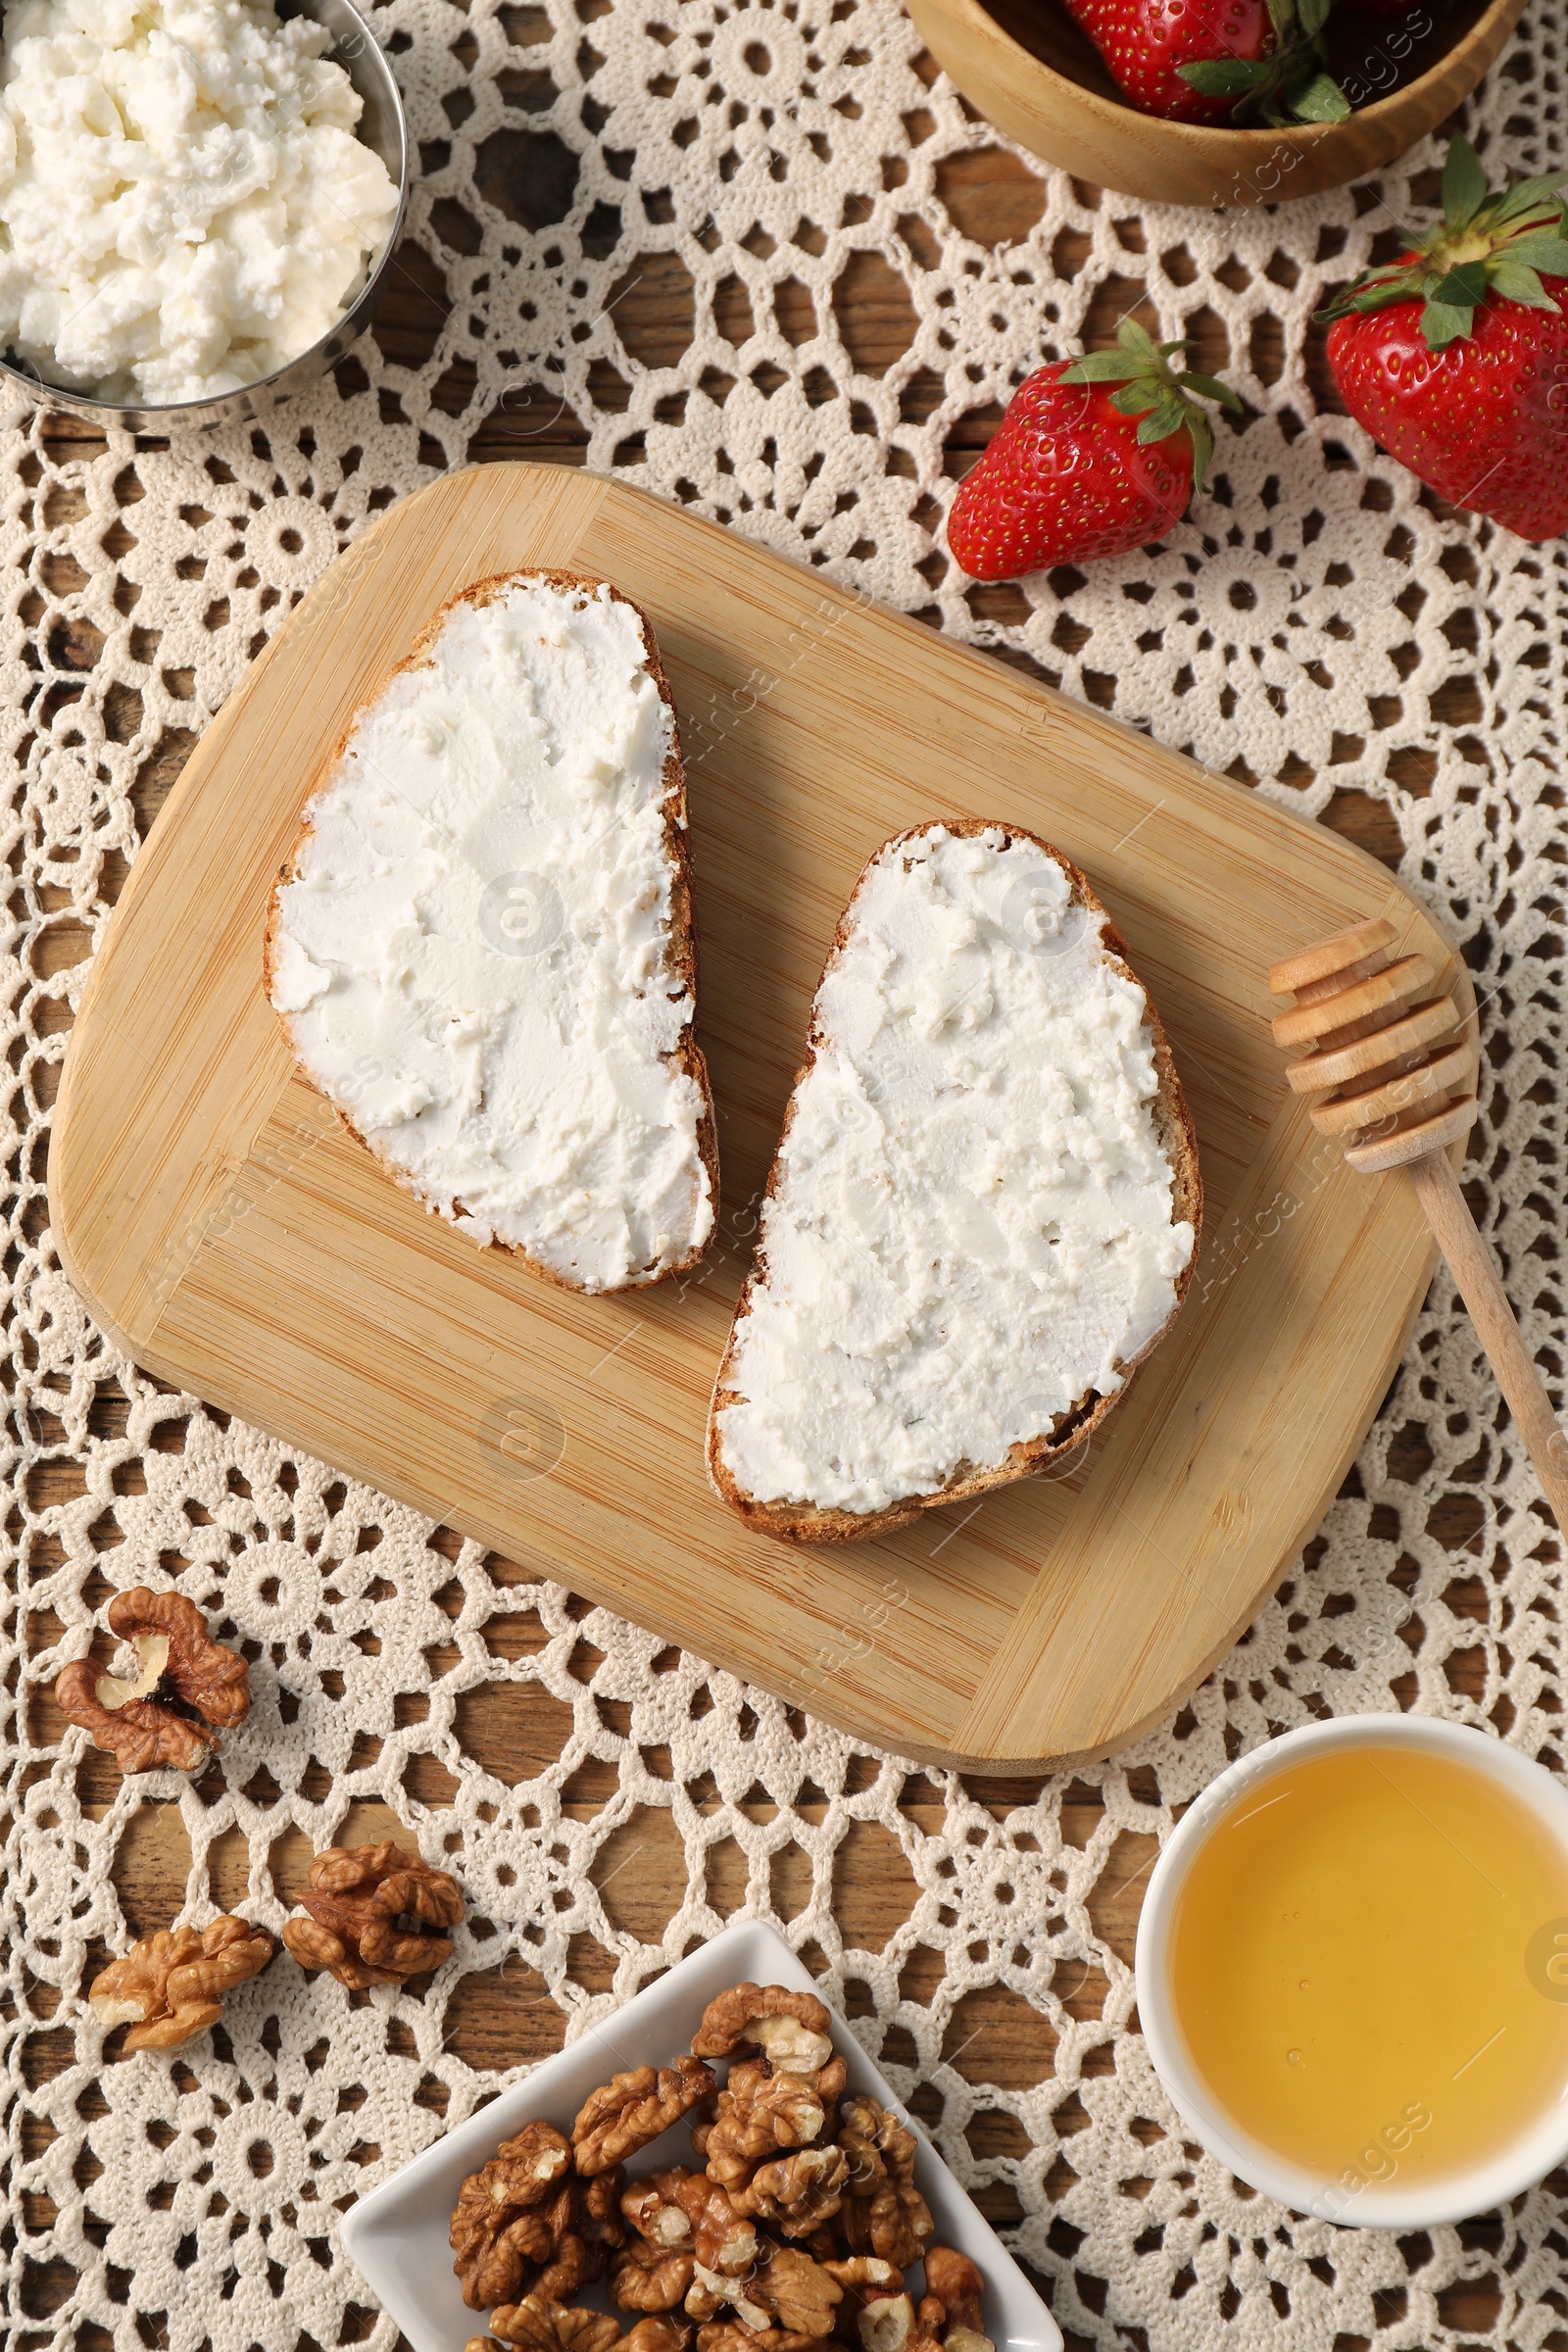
pixel 1095 456
pixel 1456 356
pixel 1216 60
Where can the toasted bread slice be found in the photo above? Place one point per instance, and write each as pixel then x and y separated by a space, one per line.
pixel 985 1207
pixel 482 948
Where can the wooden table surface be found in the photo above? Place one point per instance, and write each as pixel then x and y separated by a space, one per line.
pixel 504 2018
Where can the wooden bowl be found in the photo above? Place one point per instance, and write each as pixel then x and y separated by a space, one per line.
pixel 1029 68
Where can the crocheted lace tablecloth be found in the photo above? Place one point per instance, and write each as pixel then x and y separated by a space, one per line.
pixel 762 260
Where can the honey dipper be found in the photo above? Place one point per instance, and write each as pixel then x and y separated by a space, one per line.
pixel 1399 1064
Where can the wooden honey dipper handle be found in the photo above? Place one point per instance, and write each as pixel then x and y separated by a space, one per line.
pixel 1480 1286
pixel 1400 1068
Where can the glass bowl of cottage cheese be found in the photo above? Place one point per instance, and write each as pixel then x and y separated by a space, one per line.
pixel 199 201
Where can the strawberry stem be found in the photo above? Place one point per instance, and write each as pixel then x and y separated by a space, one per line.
pixel 1482 245
pixel 1151 389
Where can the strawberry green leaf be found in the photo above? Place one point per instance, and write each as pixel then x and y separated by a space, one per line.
pixel 1313 16
pixel 1442 323
pixel 1211 389
pixel 1465 185
pixel 1517 283
pixel 1394 282
pixel 1135 400
pixel 1319 100
pixel 1099 368
pixel 1529 196
pixel 1138 342
pixel 1166 418
pixel 1539 249
pixel 1461 287
pixel 1200 433
pixel 1227 76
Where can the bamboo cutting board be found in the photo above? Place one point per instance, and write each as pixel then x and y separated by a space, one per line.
pixel 236 1241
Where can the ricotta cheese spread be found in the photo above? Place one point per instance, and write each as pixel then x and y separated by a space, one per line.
pixel 184 203
pixel 972 1221
pixel 474 957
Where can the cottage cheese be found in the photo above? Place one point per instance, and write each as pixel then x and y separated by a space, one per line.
pixel 184 203
pixel 474 958
pixel 972 1225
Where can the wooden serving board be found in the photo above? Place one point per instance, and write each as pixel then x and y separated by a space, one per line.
pixel 235 1240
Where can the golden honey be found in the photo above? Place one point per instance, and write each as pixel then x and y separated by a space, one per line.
pixel 1369 1967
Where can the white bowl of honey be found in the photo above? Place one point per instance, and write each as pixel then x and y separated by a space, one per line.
pixel 1353 1971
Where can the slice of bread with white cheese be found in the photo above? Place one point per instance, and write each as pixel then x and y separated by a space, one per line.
pixel 985 1207
pixel 482 950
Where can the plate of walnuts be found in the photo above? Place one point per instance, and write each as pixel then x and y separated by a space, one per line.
pixel 718 2168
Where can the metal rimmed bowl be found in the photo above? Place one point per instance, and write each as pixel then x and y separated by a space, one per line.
pixel 382 127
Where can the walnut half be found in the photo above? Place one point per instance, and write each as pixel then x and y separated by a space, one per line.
pixel 376 1915
pixel 795 2192
pixel 890 2323
pixel 658 2333
pixel 758 2114
pixel 502 2231
pixel 186 1691
pixel 169 1986
pixel 884 2213
pixel 541 2326
pixel 653 2208
pixel 634 2108
pixel 790 2028
pixel 956 2285
pixel 651 2279
pixel 795 2294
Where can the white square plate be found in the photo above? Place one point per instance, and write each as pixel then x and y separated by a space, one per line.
pixel 397 2235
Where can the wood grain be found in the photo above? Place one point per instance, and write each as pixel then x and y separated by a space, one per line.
pixel 240 1242
pixel 1029 71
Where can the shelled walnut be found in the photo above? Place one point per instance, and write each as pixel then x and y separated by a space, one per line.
pixel 731 2335
pixel 596 2216
pixel 862 2279
pixel 500 2233
pixel 169 1986
pixel 955 2281
pixel 633 2110
pixel 571 2331
pixel 884 2213
pixel 654 2208
pixel 545 2326
pixel 734 2335
pixel 891 2324
pixel 527 2229
pixel 797 2294
pixel 377 1913
pixel 582 2226
pixel 186 1691
pixel 652 2278
pixel 795 2192
pixel 758 2113
pixel 789 2028
pixel 723 2240
pixel 660 2335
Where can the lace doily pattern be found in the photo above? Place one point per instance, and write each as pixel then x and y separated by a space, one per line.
pixel 762 260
